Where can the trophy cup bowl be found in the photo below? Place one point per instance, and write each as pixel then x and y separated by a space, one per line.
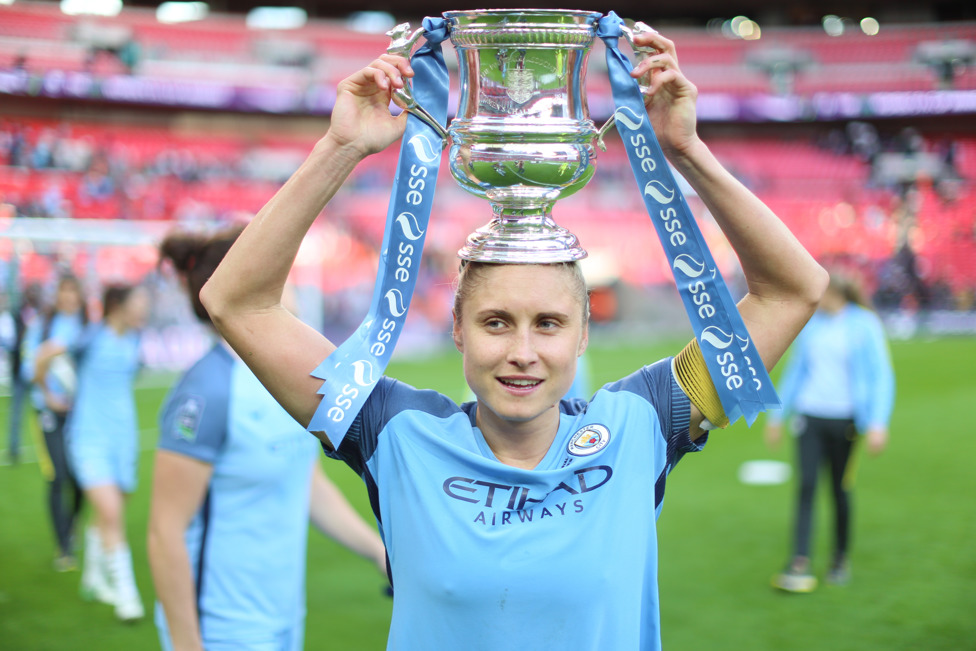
pixel 522 136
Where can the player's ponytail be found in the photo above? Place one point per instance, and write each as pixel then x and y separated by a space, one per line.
pixel 849 286
pixel 195 257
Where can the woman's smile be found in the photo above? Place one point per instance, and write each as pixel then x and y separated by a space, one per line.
pixel 520 385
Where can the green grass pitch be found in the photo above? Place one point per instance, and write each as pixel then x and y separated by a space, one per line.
pixel 914 545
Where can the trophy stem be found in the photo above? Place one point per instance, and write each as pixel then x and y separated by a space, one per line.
pixel 520 235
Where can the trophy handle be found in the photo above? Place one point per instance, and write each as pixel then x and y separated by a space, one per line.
pixel 402 41
pixel 630 29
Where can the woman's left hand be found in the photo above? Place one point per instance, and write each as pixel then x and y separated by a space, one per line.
pixel 670 98
pixel 876 439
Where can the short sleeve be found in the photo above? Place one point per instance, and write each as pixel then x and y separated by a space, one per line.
pixel 658 385
pixel 193 421
pixel 80 345
pixel 190 426
pixel 387 399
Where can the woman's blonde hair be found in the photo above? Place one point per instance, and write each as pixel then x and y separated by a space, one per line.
pixel 471 274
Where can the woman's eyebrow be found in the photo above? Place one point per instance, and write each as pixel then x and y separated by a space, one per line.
pixel 505 314
pixel 559 316
pixel 493 312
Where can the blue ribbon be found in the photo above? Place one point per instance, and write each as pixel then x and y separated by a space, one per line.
pixel 737 372
pixel 351 372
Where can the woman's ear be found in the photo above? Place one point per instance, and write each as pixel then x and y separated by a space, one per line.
pixel 456 334
pixel 584 340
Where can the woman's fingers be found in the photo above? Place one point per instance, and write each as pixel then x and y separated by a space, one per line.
pixel 653 39
pixel 659 71
pixel 361 114
pixel 401 63
pixel 668 95
pixel 664 58
pixel 386 72
pixel 655 62
pixel 391 69
pixel 662 78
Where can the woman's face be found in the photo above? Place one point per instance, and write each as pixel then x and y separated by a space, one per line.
pixel 135 310
pixel 520 334
pixel 68 299
pixel 833 300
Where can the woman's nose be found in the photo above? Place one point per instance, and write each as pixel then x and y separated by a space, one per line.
pixel 522 351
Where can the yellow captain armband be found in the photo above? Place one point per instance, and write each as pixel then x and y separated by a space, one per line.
pixel 692 375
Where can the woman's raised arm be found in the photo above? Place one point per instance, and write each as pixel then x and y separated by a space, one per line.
pixel 243 296
pixel 785 283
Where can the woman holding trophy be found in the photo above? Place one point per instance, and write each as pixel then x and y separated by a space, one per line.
pixel 518 520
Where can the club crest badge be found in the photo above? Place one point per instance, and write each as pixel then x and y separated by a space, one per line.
pixel 519 85
pixel 589 440
pixel 188 419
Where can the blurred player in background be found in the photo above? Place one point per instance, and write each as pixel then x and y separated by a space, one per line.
pixel 839 384
pixel 236 481
pixel 46 364
pixel 103 444
pixel 21 315
pixel 519 521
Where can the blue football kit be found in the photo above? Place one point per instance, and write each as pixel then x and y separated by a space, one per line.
pixel 103 430
pixel 247 544
pixel 488 556
pixel 63 329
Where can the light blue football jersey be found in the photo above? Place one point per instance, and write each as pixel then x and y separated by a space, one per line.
pixel 104 411
pixel 65 329
pixel 488 556
pixel 247 544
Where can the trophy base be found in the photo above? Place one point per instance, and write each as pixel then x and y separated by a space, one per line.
pixel 534 239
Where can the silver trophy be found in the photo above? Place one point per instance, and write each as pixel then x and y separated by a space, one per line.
pixel 522 136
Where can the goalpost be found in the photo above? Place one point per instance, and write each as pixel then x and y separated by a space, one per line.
pixel 102 252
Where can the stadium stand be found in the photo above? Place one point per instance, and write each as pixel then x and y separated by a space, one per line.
pixel 146 164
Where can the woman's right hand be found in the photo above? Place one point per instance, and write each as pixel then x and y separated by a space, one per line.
pixel 55 403
pixel 361 117
pixel 774 435
pixel 877 439
pixel 669 97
